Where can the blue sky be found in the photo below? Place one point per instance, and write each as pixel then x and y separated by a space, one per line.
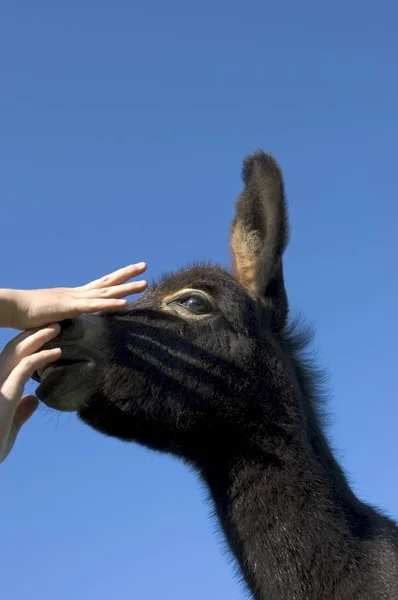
pixel 123 129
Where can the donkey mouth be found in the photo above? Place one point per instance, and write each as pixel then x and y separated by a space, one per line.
pixel 62 363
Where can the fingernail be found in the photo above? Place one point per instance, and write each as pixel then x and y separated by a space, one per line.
pixel 140 265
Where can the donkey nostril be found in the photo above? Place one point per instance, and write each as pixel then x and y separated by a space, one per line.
pixel 70 329
pixel 66 326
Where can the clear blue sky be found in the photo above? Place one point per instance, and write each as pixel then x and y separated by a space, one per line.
pixel 123 127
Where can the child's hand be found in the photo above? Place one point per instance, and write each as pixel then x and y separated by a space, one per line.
pixel 18 361
pixel 25 309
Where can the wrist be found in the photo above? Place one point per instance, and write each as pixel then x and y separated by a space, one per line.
pixel 10 301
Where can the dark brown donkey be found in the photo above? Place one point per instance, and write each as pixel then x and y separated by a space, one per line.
pixel 206 367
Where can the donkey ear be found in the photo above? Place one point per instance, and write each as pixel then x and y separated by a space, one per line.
pixel 259 233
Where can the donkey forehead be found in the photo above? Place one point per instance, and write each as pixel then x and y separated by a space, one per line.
pixel 211 279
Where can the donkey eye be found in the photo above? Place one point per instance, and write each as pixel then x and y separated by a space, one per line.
pixel 196 304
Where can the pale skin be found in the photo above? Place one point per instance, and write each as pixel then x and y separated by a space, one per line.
pixel 38 312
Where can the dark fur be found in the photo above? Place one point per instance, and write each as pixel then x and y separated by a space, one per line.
pixel 235 397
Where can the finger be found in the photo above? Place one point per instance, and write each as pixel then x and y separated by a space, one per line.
pixel 117 291
pixel 24 344
pixel 13 386
pixel 117 277
pixel 25 409
pixel 93 305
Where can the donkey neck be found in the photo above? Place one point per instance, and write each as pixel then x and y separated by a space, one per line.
pixel 293 524
pixel 291 534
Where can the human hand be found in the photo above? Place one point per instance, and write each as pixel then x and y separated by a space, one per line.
pixel 18 361
pixel 25 309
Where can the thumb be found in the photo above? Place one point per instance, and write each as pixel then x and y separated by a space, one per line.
pixel 25 409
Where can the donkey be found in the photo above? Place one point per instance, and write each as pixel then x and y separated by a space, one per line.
pixel 207 366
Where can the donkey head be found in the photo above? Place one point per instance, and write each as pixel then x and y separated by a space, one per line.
pixel 199 354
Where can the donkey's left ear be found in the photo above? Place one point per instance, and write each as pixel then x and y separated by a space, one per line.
pixel 259 234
